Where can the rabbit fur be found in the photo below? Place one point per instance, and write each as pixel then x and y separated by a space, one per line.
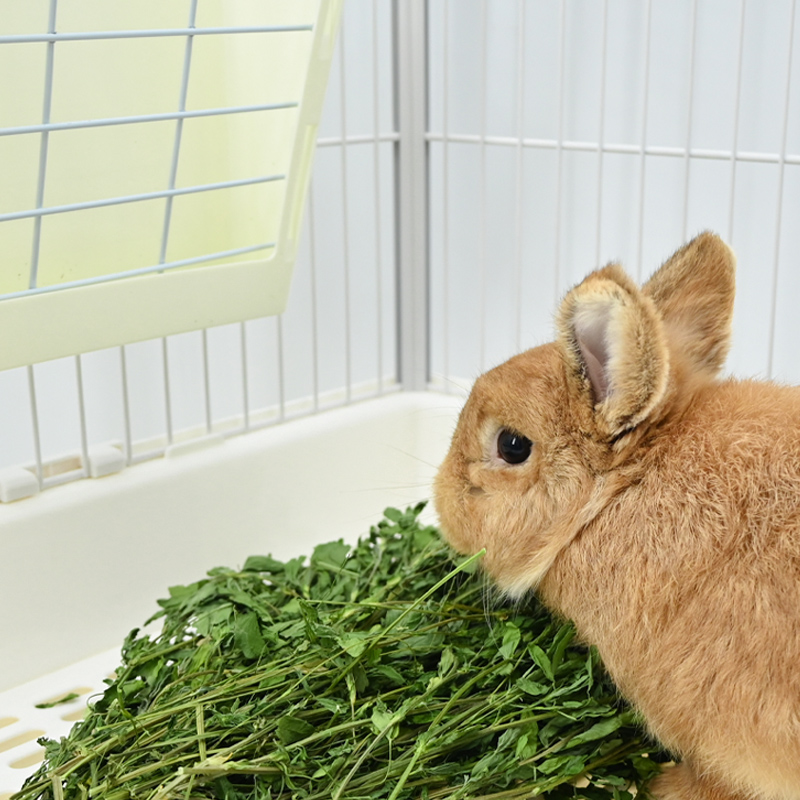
pixel 659 510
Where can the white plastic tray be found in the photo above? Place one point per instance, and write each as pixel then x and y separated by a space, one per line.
pixel 84 563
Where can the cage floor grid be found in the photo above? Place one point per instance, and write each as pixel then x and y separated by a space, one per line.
pixel 22 723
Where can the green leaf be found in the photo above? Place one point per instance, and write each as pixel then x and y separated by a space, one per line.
pixel 394 514
pixel 527 745
pixel 645 767
pixel 391 674
pixel 215 617
pixel 188 597
pixel 532 687
pixel 566 765
pixel 334 706
pixel 508 738
pixel 242 597
pixel 600 730
pixel 426 537
pixel 247 635
pixel 361 679
pixel 331 555
pixel 353 642
pixel 560 644
pixel 293 729
pixel 383 719
pixel 432 640
pixel 447 662
pixel 511 637
pixel 488 762
pixel 293 568
pixel 418 508
pixel 542 661
pixel 263 564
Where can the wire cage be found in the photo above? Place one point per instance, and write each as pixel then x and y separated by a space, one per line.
pixel 166 157
pixel 475 158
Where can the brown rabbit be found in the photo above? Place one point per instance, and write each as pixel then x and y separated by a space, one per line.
pixel 657 507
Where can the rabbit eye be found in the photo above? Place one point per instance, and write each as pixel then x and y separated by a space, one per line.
pixel 512 447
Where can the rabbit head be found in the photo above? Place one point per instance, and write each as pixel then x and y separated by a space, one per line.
pixel 547 439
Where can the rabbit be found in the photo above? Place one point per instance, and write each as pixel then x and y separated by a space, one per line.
pixel 657 506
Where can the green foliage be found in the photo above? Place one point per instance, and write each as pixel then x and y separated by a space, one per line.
pixel 366 672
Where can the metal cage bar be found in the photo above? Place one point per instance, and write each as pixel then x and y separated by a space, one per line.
pixel 176 148
pixel 156 33
pixel 643 137
pixel 736 116
pixel 520 166
pixel 620 148
pixel 690 103
pixel 482 250
pixel 376 166
pixel 601 135
pixel 446 194
pixel 559 146
pixel 348 359
pixel 410 30
pixel 43 147
pixel 107 122
pixel 780 193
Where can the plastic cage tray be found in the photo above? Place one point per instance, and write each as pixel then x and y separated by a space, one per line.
pixel 84 563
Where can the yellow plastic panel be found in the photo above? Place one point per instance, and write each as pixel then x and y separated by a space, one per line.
pixel 26 63
pixel 116 77
pixel 227 66
pixel 24 17
pixel 16 247
pixel 19 156
pixel 212 13
pixel 255 144
pixel 118 249
pixel 233 218
pixel 86 244
pixel 75 320
pixel 95 163
pixel 100 15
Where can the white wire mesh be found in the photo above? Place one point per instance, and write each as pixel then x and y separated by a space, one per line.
pixel 559 136
pixel 149 395
pixel 77 182
pixel 610 131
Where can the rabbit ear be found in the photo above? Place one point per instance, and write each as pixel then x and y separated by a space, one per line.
pixel 615 348
pixel 693 291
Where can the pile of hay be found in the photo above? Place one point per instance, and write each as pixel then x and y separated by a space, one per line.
pixel 367 672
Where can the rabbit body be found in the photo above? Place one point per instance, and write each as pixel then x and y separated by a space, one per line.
pixel 689 584
pixel 659 509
